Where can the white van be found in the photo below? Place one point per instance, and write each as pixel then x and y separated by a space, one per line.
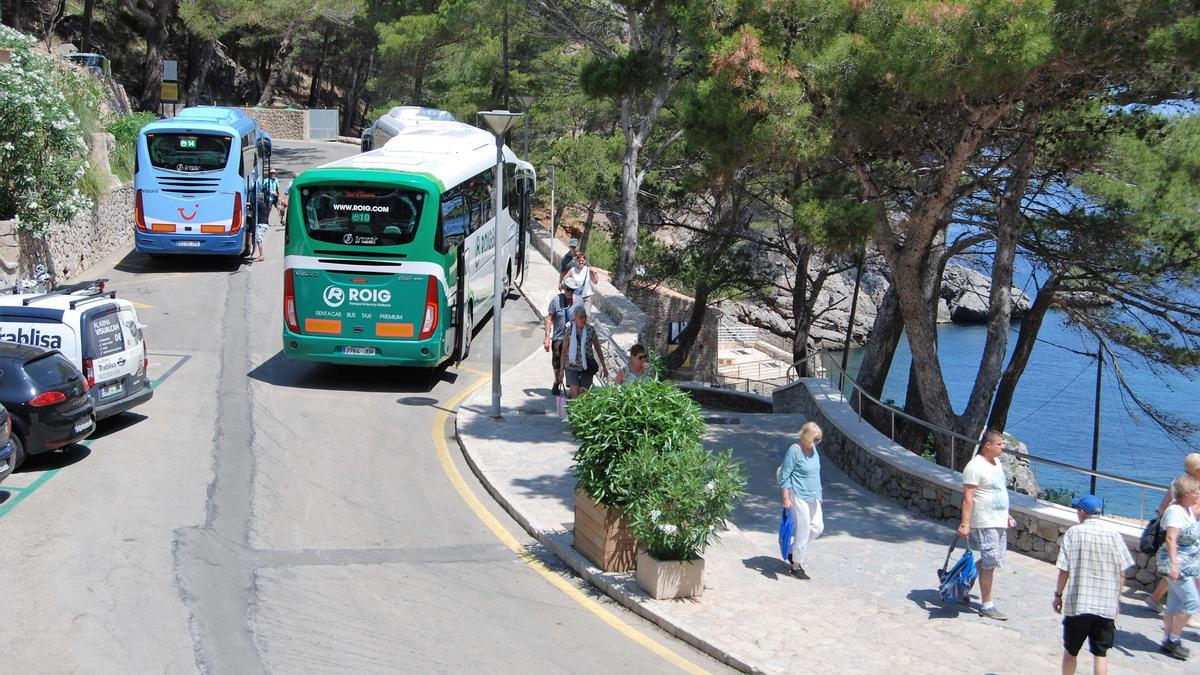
pixel 98 332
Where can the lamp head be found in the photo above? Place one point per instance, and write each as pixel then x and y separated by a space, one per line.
pixel 526 101
pixel 500 121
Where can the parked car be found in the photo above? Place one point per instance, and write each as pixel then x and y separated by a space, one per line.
pixel 46 398
pixel 95 330
pixel 6 446
pixel 97 63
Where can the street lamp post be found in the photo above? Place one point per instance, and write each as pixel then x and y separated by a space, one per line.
pixel 499 121
pixel 526 103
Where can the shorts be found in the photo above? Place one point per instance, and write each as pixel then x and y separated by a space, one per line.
pixel 582 378
pixel 1182 597
pixel 556 356
pixel 260 231
pixel 1097 630
pixel 992 543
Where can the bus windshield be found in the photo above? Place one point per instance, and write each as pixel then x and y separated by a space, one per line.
pixel 188 152
pixel 361 216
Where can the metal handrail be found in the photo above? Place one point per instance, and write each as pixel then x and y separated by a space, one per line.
pixel 973 443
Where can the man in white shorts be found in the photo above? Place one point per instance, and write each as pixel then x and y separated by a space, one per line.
pixel 985 515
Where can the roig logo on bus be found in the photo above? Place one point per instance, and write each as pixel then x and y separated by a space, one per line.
pixel 334 296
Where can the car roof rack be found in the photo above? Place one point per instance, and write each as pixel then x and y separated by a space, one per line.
pixel 94 288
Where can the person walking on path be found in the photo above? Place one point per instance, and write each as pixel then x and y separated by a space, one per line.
pixel 1092 560
pixel 568 260
pixel 1179 562
pixel 636 369
pixel 270 188
pixel 260 228
pixel 558 316
pixel 1191 466
pixel 800 479
pixel 578 368
pixel 584 277
pixel 985 515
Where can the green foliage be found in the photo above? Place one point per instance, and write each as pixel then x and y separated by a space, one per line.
pixel 612 422
pixel 125 131
pixel 681 498
pixel 628 74
pixel 929 449
pixel 1057 495
pixel 601 250
pixel 43 155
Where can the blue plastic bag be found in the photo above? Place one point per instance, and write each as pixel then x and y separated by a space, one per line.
pixel 955 583
pixel 787 533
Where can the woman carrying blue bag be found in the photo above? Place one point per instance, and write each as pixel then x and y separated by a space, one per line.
pixel 800 480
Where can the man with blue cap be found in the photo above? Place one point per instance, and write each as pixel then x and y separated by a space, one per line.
pixel 568 260
pixel 1092 560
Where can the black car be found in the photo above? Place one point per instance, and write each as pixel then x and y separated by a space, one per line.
pixel 6 446
pixel 47 398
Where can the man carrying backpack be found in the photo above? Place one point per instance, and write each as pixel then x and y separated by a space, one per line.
pixel 558 316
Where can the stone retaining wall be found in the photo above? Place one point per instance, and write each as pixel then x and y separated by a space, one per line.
pixel 76 246
pixel 933 491
pixel 281 123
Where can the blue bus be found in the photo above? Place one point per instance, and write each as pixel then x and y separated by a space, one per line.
pixel 195 179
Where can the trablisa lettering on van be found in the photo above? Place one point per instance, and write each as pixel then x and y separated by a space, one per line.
pixel 30 335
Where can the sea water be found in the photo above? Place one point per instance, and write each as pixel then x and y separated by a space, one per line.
pixel 1053 409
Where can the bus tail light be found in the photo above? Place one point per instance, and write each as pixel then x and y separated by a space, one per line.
pixel 89 373
pixel 289 302
pixel 139 213
pixel 431 309
pixel 237 213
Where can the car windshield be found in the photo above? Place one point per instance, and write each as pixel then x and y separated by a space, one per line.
pixel 188 152
pixel 361 216
pixel 51 371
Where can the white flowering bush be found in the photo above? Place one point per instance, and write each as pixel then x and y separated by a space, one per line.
pixel 43 154
pixel 681 498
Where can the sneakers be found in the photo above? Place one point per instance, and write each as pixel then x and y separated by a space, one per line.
pixel 1175 650
pixel 1154 605
pixel 799 573
pixel 993 613
pixel 554 390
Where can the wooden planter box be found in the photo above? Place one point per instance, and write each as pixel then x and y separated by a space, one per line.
pixel 667 579
pixel 602 535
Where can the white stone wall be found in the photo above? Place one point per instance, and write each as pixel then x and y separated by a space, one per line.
pixel 281 123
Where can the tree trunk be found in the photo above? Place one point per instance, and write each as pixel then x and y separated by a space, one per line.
pixel 314 86
pixel 198 72
pixel 801 314
pixel 85 38
pixel 881 346
pixel 152 25
pixel 1026 340
pixel 283 60
pixel 630 224
pixel 587 225
pixel 695 324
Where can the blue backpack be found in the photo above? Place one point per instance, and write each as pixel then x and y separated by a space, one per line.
pixel 955 583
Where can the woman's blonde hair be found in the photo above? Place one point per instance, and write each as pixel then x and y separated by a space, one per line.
pixel 810 434
pixel 1191 464
pixel 1183 486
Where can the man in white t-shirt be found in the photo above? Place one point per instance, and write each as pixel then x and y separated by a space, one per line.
pixel 985 515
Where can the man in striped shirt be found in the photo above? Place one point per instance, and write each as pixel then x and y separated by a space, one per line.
pixel 1091 572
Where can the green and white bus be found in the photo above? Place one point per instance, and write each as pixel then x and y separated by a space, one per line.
pixel 389 254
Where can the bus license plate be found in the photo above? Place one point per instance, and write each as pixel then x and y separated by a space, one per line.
pixel 188 243
pixel 358 351
pixel 83 425
pixel 111 390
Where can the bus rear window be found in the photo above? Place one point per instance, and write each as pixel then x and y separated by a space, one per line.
pixel 188 152
pixel 361 216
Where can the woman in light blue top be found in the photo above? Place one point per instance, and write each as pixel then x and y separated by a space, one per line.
pixel 800 478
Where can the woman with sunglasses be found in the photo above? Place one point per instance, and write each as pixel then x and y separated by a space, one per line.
pixel 637 368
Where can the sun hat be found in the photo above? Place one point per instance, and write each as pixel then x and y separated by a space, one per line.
pixel 1089 504
pixel 570 283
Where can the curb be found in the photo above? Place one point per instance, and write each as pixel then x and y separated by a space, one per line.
pixel 581 566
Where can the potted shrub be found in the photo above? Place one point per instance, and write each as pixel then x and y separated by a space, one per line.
pixel 610 424
pixel 681 498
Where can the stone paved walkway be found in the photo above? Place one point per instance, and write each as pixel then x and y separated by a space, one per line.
pixel 872 604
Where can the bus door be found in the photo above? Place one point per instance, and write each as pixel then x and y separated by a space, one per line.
pixel 452 230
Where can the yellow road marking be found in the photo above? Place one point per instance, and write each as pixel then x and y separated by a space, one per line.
pixel 439 443
pixel 141 305
pixel 145 280
pixel 473 371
